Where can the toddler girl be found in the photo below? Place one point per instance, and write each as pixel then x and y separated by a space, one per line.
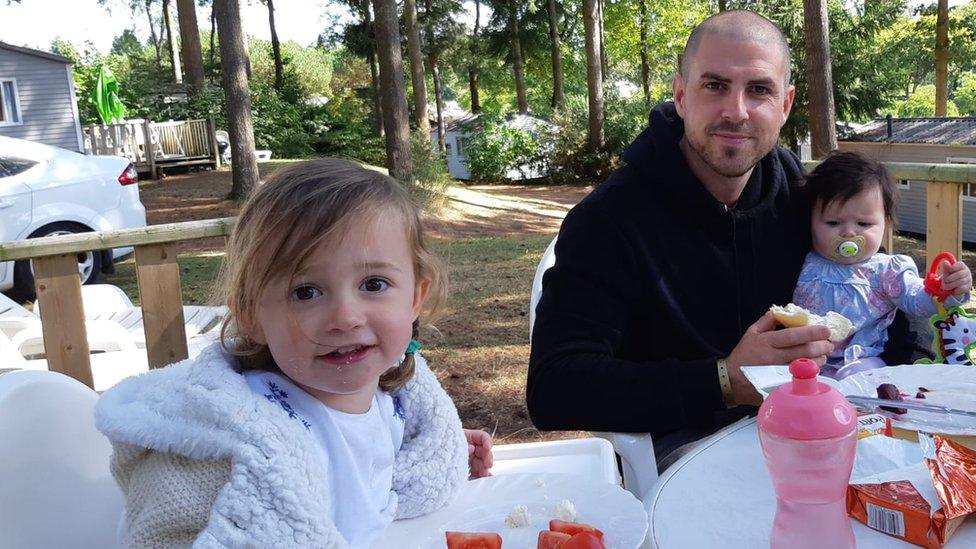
pixel 852 197
pixel 314 423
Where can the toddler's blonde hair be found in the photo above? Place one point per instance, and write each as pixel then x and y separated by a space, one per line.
pixel 286 219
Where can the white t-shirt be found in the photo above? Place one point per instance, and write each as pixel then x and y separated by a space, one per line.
pixel 357 450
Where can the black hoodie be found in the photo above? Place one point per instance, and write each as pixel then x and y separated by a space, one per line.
pixel 654 280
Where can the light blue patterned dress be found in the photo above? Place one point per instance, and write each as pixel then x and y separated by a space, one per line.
pixel 869 294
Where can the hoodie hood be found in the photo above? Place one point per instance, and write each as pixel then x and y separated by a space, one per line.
pixel 655 154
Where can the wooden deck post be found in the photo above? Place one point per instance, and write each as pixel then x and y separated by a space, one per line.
pixel 158 275
pixel 62 316
pixel 150 153
pixel 943 219
pixel 212 136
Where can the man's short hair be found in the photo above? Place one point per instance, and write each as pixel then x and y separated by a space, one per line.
pixel 741 25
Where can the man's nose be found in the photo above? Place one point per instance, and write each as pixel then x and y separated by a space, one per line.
pixel 735 107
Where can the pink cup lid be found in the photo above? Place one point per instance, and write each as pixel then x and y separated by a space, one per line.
pixel 805 409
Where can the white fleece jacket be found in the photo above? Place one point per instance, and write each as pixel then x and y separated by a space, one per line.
pixel 203 460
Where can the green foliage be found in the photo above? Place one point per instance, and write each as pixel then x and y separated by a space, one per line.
pixel 965 96
pixel 497 148
pixel 922 104
pixel 430 176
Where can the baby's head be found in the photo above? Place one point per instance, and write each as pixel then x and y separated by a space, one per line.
pixel 852 198
pixel 326 279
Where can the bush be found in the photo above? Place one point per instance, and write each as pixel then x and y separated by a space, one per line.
pixel 570 161
pixel 497 148
pixel 431 178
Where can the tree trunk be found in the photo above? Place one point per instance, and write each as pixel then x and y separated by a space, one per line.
pixel 517 66
pixel 604 70
pixel 190 39
pixel 417 79
pixel 473 69
pixel 373 72
pixel 435 74
pixel 393 91
pixel 645 63
pixel 173 47
pixel 558 99
pixel 594 78
pixel 233 74
pixel 276 49
pixel 942 58
pixel 213 37
pixel 156 41
pixel 816 35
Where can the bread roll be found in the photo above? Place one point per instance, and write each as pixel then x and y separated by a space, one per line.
pixel 793 316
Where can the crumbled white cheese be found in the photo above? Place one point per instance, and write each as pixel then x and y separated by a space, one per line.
pixel 566 511
pixel 518 518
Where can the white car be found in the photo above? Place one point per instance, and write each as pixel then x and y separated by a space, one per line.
pixel 47 190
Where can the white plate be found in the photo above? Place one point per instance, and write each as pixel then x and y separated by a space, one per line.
pixel 484 504
pixel 948 385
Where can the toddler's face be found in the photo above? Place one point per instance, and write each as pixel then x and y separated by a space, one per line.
pixel 347 315
pixel 860 216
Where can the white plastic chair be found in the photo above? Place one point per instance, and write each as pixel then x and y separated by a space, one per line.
pixel 108 368
pixel 636 451
pixel 105 302
pixel 55 485
pixel 23 330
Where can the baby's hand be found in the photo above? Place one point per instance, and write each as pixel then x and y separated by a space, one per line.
pixel 479 452
pixel 958 279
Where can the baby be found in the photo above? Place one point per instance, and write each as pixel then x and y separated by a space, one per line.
pixel 852 198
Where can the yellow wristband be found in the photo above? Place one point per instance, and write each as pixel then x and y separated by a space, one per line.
pixel 725 383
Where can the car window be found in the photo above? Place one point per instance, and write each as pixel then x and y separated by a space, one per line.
pixel 12 165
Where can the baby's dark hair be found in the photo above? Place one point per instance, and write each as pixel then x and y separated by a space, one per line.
pixel 843 175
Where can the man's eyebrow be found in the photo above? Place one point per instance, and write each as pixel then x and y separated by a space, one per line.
pixel 715 76
pixel 768 82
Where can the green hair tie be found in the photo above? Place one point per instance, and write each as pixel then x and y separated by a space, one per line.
pixel 413 347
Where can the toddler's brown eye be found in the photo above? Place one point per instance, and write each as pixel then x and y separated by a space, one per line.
pixel 304 293
pixel 374 285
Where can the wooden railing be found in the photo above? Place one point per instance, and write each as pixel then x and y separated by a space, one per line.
pixel 152 145
pixel 157 270
pixel 158 273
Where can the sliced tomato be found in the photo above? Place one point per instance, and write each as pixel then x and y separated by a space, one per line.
pixel 473 540
pixel 584 540
pixel 552 540
pixel 573 528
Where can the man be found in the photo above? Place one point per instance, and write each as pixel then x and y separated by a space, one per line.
pixel 664 273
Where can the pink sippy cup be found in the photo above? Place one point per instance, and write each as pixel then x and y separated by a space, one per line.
pixel 808 433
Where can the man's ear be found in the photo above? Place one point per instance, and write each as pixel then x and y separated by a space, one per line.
pixel 678 92
pixel 420 296
pixel 788 101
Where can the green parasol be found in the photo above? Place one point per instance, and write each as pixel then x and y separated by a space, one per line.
pixel 106 97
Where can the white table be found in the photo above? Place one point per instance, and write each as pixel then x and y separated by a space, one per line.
pixel 720 495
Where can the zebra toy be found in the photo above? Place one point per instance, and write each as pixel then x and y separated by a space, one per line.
pixel 955 337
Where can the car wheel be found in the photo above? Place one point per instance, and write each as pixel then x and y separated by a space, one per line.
pixel 89 263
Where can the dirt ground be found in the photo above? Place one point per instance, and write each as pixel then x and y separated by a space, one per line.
pixel 470 211
pixel 480 348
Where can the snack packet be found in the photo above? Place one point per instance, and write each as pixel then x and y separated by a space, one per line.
pixel 919 493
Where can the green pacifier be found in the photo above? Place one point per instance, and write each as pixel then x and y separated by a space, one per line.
pixel 850 247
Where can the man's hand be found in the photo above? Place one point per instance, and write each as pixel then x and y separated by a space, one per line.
pixel 480 459
pixel 763 344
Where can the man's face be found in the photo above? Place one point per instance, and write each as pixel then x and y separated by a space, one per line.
pixel 733 103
